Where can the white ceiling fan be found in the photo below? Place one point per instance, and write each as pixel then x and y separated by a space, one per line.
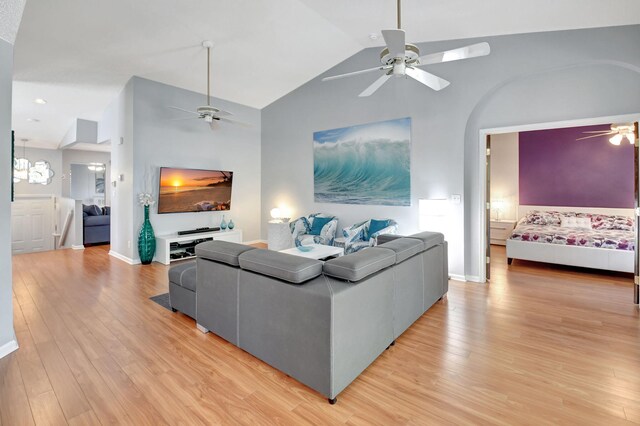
pixel 618 131
pixel 209 113
pixel 402 59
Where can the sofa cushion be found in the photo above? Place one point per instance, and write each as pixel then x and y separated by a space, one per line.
pixel 385 238
pixel 375 226
pixel 429 239
pixel 404 248
pixel 356 266
pixel 97 220
pixel 92 210
pixel 287 267
pixel 184 275
pixel 318 223
pixel 222 251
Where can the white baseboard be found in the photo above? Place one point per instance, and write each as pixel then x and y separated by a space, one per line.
pixel 457 277
pixel 75 247
pixel 124 258
pixel 473 278
pixel 9 347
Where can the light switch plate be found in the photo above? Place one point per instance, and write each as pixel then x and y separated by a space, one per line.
pixel 456 198
pixel 121 178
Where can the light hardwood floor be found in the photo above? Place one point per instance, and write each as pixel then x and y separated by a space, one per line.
pixel 539 345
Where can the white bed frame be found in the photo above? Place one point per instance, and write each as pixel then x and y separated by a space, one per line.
pixel 585 257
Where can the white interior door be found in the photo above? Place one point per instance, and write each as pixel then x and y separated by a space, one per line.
pixel 31 225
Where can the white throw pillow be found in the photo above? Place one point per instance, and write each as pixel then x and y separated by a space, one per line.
pixel 575 222
pixel 583 222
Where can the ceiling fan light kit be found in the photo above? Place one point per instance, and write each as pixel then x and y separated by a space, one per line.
pixel 207 113
pixel 402 59
pixel 618 132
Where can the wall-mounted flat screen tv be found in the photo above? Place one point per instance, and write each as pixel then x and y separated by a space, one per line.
pixel 192 190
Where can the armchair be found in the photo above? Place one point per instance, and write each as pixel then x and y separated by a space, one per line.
pixel 358 236
pixel 303 231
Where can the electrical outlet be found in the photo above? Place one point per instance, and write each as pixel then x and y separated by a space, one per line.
pixel 121 178
pixel 456 199
pixel 121 141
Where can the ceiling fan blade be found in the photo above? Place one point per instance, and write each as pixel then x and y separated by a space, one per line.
pixel 228 120
pixel 395 40
pixel 471 51
pixel 593 136
pixel 375 86
pixel 184 118
pixel 602 132
pixel 184 110
pixel 349 74
pixel 428 79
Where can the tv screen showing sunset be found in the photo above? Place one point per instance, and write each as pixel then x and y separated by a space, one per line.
pixel 190 190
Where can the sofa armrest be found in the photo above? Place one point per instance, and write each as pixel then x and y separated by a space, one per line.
pixel 354 233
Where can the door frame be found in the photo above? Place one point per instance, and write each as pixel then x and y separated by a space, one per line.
pixel 479 210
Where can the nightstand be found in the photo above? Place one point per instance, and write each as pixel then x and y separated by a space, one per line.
pixel 500 231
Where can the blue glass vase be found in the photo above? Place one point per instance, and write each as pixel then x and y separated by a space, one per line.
pixel 223 224
pixel 146 240
pixel 231 224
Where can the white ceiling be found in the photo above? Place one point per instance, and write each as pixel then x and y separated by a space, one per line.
pixel 78 54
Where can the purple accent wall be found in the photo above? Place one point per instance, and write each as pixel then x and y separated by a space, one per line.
pixel 557 170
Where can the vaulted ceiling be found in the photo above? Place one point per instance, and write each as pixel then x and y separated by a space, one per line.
pixel 78 54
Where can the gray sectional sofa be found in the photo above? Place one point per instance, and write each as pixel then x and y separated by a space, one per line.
pixel 322 323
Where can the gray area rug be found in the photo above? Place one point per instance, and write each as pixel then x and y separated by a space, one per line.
pixel 162 300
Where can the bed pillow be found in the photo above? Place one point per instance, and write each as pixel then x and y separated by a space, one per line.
pixel 575 222
pixel 536 217
pixel 618 223
pixel 622 223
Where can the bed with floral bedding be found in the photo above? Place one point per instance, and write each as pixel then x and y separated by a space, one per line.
pixel 577 239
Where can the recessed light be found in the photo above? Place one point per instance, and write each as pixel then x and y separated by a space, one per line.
pixel 373 36
pixel 40 101
pixel 33 120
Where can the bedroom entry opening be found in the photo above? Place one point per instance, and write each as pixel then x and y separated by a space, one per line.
pixel 561 197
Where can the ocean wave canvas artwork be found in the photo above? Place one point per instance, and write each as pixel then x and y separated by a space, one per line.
pixel 364 164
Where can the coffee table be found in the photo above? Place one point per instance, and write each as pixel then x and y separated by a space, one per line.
pixel 319 251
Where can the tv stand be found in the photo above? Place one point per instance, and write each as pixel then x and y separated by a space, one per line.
pixel 182 247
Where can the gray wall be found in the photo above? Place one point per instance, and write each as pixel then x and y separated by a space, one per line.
pixel 528 78
pixel 54 157
pixel 6 301
pixel 116 125
pixel 77 156
pixel 160 140
pixel 153 138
